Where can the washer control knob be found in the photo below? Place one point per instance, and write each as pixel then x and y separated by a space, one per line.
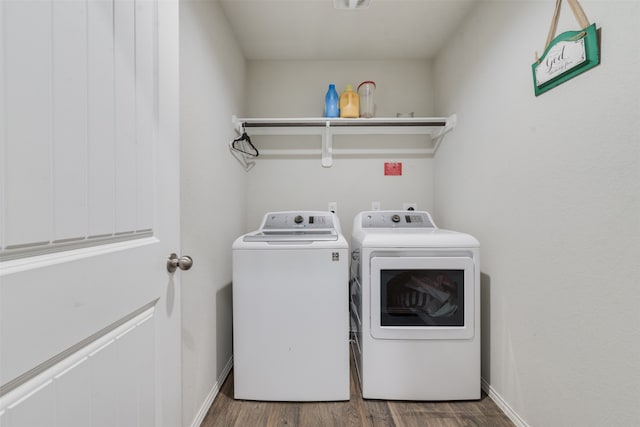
pixel 395 218
pixel 298 219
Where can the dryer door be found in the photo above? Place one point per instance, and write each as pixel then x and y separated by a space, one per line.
pixel 422 297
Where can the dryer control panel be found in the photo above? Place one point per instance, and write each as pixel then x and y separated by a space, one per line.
pixel 397 219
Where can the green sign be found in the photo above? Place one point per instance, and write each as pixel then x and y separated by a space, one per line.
pixel 569 54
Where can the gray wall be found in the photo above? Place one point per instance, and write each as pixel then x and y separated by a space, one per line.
pixel 551 187
pixel 213 197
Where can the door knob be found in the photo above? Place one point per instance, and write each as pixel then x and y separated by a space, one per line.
pixel 183 263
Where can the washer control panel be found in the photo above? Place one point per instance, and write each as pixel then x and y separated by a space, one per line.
pixel 397 219
pixel 297 220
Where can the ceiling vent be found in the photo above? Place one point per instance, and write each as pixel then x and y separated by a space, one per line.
pixel 351 4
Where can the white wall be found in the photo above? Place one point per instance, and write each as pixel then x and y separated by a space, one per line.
pixel 551 187
pixel 297 89
pixel 213 196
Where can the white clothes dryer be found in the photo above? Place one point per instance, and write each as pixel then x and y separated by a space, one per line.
pixel 291 309
pixel 415 308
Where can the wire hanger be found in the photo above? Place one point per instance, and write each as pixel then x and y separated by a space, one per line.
pixel 244 145
pixel 243 149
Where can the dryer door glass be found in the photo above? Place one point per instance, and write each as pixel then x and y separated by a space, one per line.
pixel 422 297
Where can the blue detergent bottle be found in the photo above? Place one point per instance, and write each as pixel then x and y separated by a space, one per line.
pixel 331 102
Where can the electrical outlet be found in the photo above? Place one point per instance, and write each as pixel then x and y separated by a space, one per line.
pixel 409 206
pixel 375 206
pixel 333 207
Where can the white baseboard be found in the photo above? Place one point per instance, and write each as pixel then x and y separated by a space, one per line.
pixel 503 405
pixel 212 394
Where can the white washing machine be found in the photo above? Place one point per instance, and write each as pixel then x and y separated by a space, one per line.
pixel 291 309
pixel 415 308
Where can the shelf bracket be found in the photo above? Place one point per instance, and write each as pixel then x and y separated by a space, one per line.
pixel 449 126
pixel 327 146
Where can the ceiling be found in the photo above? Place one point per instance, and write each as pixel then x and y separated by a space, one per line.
pixel 314 29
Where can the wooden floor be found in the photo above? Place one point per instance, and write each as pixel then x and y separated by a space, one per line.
pixel 227 412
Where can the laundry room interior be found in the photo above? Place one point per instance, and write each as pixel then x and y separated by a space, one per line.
pixel 549 184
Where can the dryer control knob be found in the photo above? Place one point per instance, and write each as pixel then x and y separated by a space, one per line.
pixel 395 218
pixel 298 219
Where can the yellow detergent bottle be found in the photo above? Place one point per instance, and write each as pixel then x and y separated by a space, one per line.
pixel 349 103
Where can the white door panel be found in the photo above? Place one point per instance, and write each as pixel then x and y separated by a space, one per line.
pixel 145 96
pixel 89 211
pixel 125 110
pixel 74 403
pixel 69 119
pixel 70 300
pixel 101 116
pixel 26 62
pixel 86 390
pixel 81 104
pixel 34 409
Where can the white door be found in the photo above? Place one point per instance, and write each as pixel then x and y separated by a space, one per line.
pixel 89 211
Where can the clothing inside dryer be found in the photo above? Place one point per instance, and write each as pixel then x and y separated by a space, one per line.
pixel 422 297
